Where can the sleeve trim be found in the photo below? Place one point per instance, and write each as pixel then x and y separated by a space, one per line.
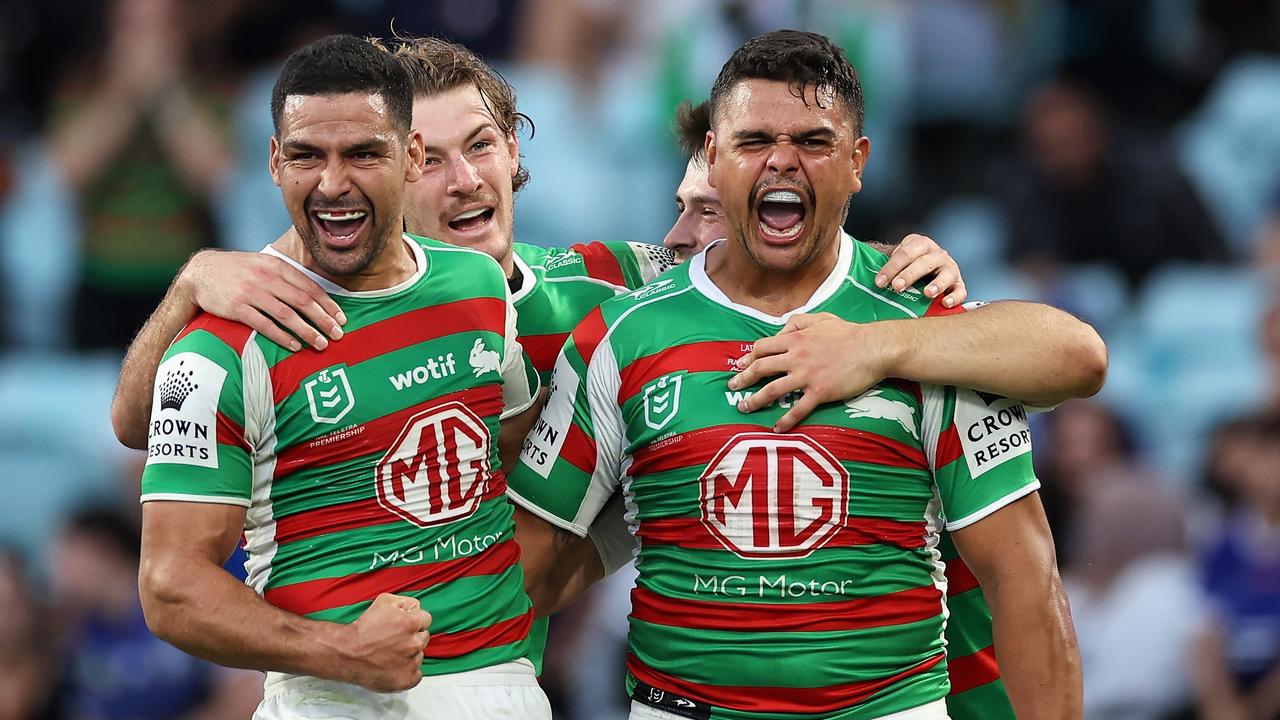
pixel 207 499
pixel 533 398
pixel 549 517
pixel 977 515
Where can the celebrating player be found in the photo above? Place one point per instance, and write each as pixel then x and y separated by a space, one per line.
pixel 360 477
pixel 791 574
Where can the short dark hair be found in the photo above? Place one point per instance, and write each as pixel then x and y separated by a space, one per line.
pixel 692 124
pixel 339 64
pixel 436 66
pixel 801 59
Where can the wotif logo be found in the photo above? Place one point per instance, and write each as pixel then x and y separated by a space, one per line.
pixel 436 368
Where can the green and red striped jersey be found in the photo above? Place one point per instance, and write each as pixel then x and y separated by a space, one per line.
pixel 780 575
pixel 559 286
pixel 368 467
pixel 977 692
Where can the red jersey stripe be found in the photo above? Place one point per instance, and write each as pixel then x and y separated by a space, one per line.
pixel 780 700
pixel 937 309
pixel 693 357
pixel 543 349
pixel 230 433
pixel 311 596
pixel 377 435
pixel 897 608
pixel 457 644
pixel 601 263
pixel 974 670
pixel 234 334
pixel 949 449
pixel 960 579
pixel 692 534
pixel 416 326
pixel 588 334
pixel 356 514
pixel 579 449
pixel 698 447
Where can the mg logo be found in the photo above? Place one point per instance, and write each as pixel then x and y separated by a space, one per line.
pixel 662 400
pixel 774 496
pixel 329 395
pixel 437 469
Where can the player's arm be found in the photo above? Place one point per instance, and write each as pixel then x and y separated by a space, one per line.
pixel 1011 554
pixel 580 563
pixel 1033 352
pixel 568 470
pixel 190 601
pixel 256 289
pixel 918 257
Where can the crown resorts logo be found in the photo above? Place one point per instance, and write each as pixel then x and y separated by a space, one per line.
pixel 177 387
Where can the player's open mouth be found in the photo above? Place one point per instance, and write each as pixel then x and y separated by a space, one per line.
pixel 781 214
pixel 340 228
pixel 471 220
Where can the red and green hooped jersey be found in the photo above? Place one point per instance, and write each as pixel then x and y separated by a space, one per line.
pixel 371 466
pixel 560 286
pixel 786 575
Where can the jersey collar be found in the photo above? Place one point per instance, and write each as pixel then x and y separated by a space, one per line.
pixel 419 259
pixel 703 284
pixel 527 279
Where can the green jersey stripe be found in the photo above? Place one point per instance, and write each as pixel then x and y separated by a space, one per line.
pixel 898 608
pixel 780 700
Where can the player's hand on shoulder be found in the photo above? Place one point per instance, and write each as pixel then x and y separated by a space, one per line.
pixel 385 644
pixel 264 292
pixel 820 355
pixel 918 257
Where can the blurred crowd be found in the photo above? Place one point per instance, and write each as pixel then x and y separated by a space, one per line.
pixel 1118 158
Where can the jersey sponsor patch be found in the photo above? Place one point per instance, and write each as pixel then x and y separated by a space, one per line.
pixel 992 429
pixel 543 443
pixel 646 694
pixel 184 412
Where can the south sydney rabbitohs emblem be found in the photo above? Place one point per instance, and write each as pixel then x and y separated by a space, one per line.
pixel 329 395
pixel 662 400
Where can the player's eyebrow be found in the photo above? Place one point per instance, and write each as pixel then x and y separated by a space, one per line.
pixel 486 125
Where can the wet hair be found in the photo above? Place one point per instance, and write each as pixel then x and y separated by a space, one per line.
pixel 436 66
pixel 800 59
pixel 691 126
pixel 339 64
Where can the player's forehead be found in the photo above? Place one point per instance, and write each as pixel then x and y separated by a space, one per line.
pixel 694 187
pixel 453 114
pixel 776 107
pixel 335 116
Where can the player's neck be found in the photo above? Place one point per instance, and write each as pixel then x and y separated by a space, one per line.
pixel 772 292
pixel 393 265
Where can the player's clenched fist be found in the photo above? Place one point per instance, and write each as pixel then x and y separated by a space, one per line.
pixel 385 644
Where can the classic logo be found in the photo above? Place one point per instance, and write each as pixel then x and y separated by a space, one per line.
pixel 563 260
pixel 482 360
pixel 774 496
pixel 873 404
pixel 177 386
pixel 329 395
pixel 653 288
pixel 662 400
pixel 438 467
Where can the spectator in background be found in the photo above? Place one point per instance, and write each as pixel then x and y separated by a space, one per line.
pixel 1268 245
pixel 25 666
pixel 1087 192
pixel 1238 654
pixel 1271 350
pixel 141 144
pixel 115 668
pixel 1134 599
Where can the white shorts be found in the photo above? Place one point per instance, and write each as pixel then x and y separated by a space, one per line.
pixel 936 710
pixel 502 692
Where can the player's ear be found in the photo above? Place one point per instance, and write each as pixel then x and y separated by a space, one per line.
pixel 273 160
pixel 709 146
pixel 858 161
pixel 415 155
pixel 513 149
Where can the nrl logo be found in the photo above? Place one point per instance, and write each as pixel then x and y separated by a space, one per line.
pixel 662 400
pixel 329 395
